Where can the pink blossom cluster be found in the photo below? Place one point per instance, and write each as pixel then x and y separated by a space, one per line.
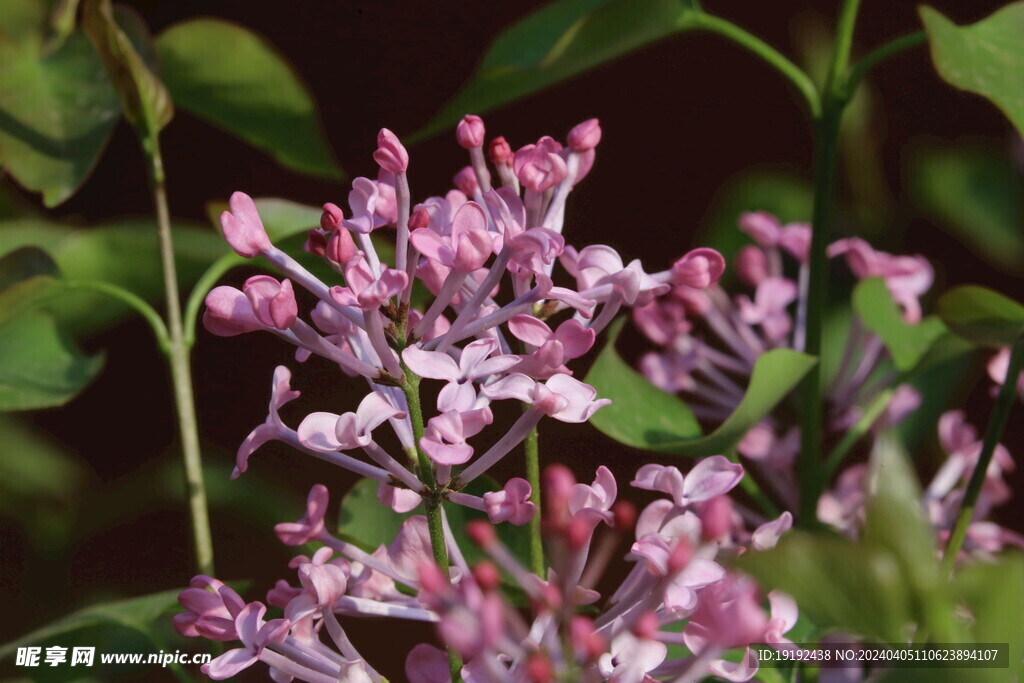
pixel 496 328
pixel 677 592
pixel 707 341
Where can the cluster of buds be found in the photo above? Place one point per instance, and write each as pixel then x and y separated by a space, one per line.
pixel 677 592
pixel 708 341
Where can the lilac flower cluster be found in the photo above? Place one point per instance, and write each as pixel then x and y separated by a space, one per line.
pixel 708 341
pixel 675 594
pixel 497 328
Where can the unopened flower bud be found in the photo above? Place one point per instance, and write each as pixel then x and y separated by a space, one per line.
pixel 391 154
pixel 332 217
pixel 341 248
pixel 470 131
pixel 680 556
pixel 539 669
pixel 585 136
pixel 646 626
pixel 752 265
pixel 420 218
pixel 316 242
pixel 625 515
pixel 466 181
pixel 716 518
pixel 487 576
pixel 481 533
pixel 500 152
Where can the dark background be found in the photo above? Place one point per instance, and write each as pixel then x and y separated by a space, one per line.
pixel 680 119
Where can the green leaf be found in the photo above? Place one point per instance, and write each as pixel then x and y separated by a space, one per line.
pixel 640 415
pixel 138 614
pixel 24 263
pixel 57 110
pixel 982 316
pixel 986 58
pixel 666 427
pixel 839 584
pixel 973 192
pixel 556 42
pixel 39 366
pixel 908 343
pixel 234 79
pixel 994 594
pixel 125 253
pixel 144 99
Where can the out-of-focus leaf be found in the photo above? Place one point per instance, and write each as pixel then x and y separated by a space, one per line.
pixel 144 99
pixel 855 587
pixel 39 366
pixel 984 58
pixel 939 379
pixel 24 263
pixel 780 191
pixel 558 41
pixel 57 109
pixel 908 343
pixel 895 521
pixel 982 316
pixel 974 193
pixel 62 23
pixel 365 521
pixel 125 253
pixel 994 594
pixel 641 415
pixel 231 77
pixel 775 374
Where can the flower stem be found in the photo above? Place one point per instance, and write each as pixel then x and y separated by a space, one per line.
pixel 993 433
pixel 766 52
pixel 181 375
pixel 872 412
pixel 880 54
pixel 533 476
pixel 432 501
pixel 809 470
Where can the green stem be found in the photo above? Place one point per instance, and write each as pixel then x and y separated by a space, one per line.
pixel 433 500
pixel 181 375
pixel 993 433
pixel 766 52
pixel 880 54
pixel 148 313
pixel 202 288
pixel 826 154
pixel 533 476
pixel 854 434
pixel 751 488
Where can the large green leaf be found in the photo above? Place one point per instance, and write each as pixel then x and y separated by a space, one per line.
pixel 138 614
pixel 39 366
pixel 558 41
pixel 839 584
pixel 57 109
pixel 986 58
pixel 994 594
pixel 975 193
pixel 908 343
pixel 982 316
pixel 231 77
pixel 124 252
pixel 663 424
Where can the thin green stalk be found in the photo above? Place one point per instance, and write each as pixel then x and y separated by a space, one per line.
pixel 533 476
pixel 181 375
pixel 854 434
pixel 766 52
pixel 880 54
pixel 147 312
pixel 200 290
pixel 751 488
pixel 826 155
pixel 993 433
pixel 433 501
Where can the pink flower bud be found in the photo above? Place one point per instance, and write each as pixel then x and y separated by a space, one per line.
pixel 419 219
pixel 243 228
pixel 487 576
pixel 538 168
pixel 716 518
pixel 332 217
pixel 585 639
pixel 585 136
pixel 481 533
pixel 680 556
pixel 341 248
pixel 316 242
pixel 646 626
pixel 539 669
pixel 273 303
pixel 390 154
pixel 466 181
pixel 752 265
pixel 228 312
pixel 625 515
pixel 500 153
pixel 470 131
pixel 699 268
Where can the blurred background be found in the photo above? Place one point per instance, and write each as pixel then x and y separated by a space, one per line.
pixel 695 130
